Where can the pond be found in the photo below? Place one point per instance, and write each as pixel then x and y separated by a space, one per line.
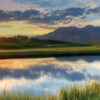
pixel 47 75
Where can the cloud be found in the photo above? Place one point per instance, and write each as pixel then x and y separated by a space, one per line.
pixel 35 16
pixel 61 17
pixel 94 23
pixel 94 10
pixel 18 15
pixel 60 4
pixel 9 5
pixel 44 3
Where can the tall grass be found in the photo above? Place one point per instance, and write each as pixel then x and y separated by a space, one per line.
pixel 91 91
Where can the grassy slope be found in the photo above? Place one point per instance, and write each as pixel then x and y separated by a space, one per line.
pixel 91 91
pixel 47 48
pixel 23 45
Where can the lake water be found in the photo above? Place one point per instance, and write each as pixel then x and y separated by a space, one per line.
pixel 47 75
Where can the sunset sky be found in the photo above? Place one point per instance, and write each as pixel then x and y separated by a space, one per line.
pixel 37 17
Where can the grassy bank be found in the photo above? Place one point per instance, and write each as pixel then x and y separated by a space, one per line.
pixel 45 55
pixel 49 52
pixel 22 47
pixel 91 91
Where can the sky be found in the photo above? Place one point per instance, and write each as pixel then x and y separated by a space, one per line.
pixel 38 17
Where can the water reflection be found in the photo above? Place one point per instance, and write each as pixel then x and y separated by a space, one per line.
pixel 47 74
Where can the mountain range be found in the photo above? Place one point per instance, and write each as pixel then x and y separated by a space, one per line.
pixel 71 34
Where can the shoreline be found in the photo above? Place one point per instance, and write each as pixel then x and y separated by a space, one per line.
pixel 45 55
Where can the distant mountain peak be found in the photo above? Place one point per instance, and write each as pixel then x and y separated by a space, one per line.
pixel 70 34
pixel 89 26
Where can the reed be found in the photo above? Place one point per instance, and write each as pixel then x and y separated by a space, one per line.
pixel 91 91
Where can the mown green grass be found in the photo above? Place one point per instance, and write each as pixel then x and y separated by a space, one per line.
pixel 91 91
pixel 53 50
